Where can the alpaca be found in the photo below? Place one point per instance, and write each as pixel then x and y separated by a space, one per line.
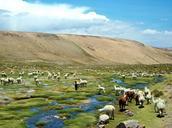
pixel 159 106
pixel 139 98
pixel 119 90
pixel 19 80
pixel 146 90
pixel 82 83
pixel 101 89
pixel 49 75
pixel 103 119
pixel 130 95
pixel 109 110
pixel 123 102
pixel 148 97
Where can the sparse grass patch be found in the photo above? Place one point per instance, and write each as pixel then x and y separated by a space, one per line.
pixel 82 120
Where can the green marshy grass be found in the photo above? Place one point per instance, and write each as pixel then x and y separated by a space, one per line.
pixel 19 110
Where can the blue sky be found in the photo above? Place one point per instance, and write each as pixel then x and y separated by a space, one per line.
pixel 148 21
pixel 152 13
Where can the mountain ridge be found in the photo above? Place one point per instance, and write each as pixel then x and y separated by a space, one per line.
pixel 77 49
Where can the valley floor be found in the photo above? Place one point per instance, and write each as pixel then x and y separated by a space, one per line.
pixel 54 103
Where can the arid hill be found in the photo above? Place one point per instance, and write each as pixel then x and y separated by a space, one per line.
pixel 77 49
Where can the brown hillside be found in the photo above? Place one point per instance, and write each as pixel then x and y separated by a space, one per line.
pixel 76 49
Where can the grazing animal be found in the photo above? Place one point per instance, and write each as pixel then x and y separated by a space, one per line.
pixel 123 102
pixel 37 81
pixel 49 75
pixel 58 77
pixel 19 80
pixel 146 90
pixel 148 98
pixel 11 80
pixel 123 76
pixel 109 110
pixel 54 76
pixel 159 106
pixel 82 83
pixel 148 95
pixel 3 74
pixel 140 98
pixel 134 76
pixel 119 90
pixel 4 81
pixel 21 73
pixel 103 119
pixel 130 95
pixel 101 89
pixel 66 75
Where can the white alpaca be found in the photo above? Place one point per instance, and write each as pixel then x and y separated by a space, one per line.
pixel 4 81
pixel 146 90
pixel 49 75
pixel 37 81
pixel 21 73
pixel 54 76
pixel 3 74
pixel 83 82
pixel 101 88
pixel 159 105
pixel 123 76
pixel 103 119
pixel 19 80
pixel 141 98
pixel 58 77
pixel 119 89
pixel 148 95
pixel 134 76
pixel 109 110
pixel 11 80
pixel 59 73
pixel 66 75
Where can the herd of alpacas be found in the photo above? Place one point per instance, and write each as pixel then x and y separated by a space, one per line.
pixel 125 95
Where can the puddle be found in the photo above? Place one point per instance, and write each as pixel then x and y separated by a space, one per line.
pixel 120 82
pixel 47 118
pixel 53 103
pixel 140 85
pixel 93 105
pixel 52 122
pixel 158 79
pixel 35 109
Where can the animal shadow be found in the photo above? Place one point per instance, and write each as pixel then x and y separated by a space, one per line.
pixel 141 106
pixel 122 110
pixel 160 116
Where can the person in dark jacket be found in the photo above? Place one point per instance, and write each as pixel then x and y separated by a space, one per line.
pixel 76 85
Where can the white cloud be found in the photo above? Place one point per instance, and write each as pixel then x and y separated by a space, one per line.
pixel 25 16
pixel 56 11
pixel 158 38
pixel 19 15
pixel 150 31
